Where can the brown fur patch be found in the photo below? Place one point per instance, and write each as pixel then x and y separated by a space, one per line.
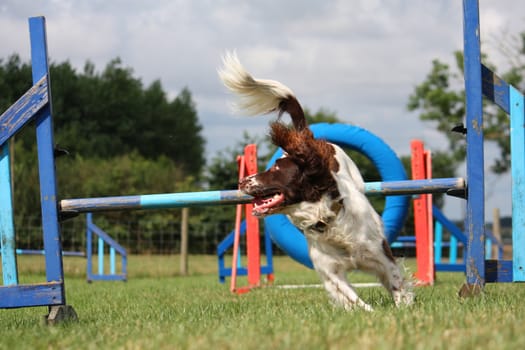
pixel 314 157
pixel 388 251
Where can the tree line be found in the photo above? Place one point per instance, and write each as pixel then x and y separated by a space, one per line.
pixel 120 136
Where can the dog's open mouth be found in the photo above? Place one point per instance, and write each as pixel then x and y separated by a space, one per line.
pixel 265 205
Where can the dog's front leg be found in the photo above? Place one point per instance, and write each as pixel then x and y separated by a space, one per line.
pixel 341 291
pixel 335 282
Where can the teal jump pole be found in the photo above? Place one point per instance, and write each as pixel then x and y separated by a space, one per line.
pixel 228 197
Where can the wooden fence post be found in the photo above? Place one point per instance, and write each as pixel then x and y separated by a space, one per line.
pixel 184 242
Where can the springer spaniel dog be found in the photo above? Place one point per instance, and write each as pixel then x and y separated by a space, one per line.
pixel 321 190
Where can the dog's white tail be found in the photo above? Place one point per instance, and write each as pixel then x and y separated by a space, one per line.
pixel 259 96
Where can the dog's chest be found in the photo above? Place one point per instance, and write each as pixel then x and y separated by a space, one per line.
pixel 333 237
pixel 333 247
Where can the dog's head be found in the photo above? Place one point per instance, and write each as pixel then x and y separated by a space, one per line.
pixel 303 174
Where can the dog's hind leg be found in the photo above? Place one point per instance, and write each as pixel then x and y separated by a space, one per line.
pixel 389 273
pixel 400 288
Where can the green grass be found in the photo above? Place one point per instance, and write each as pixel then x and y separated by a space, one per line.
pixel 157 309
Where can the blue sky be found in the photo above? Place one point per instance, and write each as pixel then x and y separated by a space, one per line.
pixel 360 59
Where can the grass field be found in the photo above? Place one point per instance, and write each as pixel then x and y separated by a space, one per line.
pixel 157 309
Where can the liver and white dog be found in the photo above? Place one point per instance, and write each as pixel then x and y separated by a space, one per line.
pixel 321 190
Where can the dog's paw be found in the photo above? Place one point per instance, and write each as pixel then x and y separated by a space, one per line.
pixel 403 297
pixel 358 306
pixel 367 307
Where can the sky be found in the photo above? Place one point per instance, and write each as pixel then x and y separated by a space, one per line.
pixel 360 59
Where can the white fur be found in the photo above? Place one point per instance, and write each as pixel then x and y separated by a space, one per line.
pixel 352 240
pixel 255 96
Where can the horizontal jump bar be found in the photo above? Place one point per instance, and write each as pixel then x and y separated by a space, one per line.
pixel 155 201
pixel 205 198
pixel 391 188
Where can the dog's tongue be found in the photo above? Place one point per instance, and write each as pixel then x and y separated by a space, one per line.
pixel 262 205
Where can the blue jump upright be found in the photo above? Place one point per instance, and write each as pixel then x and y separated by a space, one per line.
pixel 475 219
pixel 480 80
pixel 34 105
pixel 103 239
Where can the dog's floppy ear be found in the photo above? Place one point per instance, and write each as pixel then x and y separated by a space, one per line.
pixel 295 143
pixel 313 155
pixel 315 158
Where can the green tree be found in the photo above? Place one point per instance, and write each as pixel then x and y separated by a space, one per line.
pixel 440 103
pixel 15 79
pixel 440 99
pixel 185 141
pixel 121 137
pixel 111 113
pixel 323 115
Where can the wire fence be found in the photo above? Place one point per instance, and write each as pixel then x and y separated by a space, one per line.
pixel 136 235
pixel 142 235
